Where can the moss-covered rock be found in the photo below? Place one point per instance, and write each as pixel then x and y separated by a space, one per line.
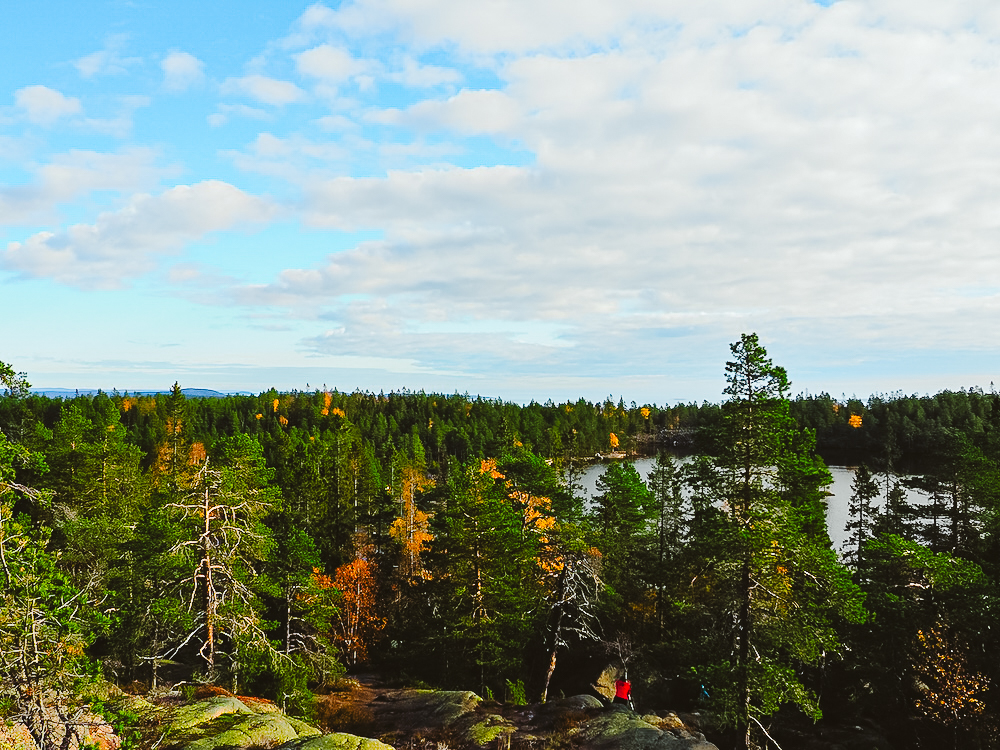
pixel 228 722
pixel 446 706
pixel 337 741
pixel 623 730
pixel 576 703
pixel 486 731
pixel 257 730
pixel 186 718
pixel 304 730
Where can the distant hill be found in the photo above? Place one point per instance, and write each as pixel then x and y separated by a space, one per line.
pixel 189 392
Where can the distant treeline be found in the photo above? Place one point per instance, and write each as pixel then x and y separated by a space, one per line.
pixel 456 426
pixel 890 431
pixel 895 431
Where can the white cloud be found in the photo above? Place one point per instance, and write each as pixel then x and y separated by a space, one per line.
pixel 108 61
pixel 125 243
pixel 13 148
pixel 291 159
pixel 329 63
pixel 336 123
pixel 417 75
pixel 43 106
pixel 225 111
pixel 265 90
pixel 68 176
pixel 119 126
pixel 480 28
pixel 815 172
pixel 181 71
pixel 468 112
pixel 626 180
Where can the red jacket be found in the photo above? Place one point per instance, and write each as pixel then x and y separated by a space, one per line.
pixel 622 689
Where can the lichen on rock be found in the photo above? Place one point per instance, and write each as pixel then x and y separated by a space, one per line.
pixel 197 714
pixel 486 731
pixel 336 741
pixel 258 730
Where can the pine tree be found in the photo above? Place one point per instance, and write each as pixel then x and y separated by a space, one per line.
pixel 665 486
pixel 862 513
pixel 773 571
pixel 483 575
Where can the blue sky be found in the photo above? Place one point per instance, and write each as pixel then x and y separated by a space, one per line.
pixel 517 199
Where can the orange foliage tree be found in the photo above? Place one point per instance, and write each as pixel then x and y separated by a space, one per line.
pixel 357 620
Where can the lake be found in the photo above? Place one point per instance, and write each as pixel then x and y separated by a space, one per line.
pixel 836 512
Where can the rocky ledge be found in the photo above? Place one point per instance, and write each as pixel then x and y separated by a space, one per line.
pixel 461 719
pixel 230 722
pixel 354 716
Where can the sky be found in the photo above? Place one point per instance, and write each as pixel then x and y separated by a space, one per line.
pixel 523 199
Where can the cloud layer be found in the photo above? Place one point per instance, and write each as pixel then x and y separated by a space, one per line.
pixel 572 187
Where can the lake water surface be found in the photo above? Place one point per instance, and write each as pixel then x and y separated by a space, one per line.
pixel 836 512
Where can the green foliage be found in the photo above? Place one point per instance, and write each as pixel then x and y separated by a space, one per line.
pixel 516 694
pixel 717 578
pixel 760 560
pixel 45 625
pixel 126 722
pixel 862 513
pixel 484 582
pixel 913 592
pixel 15 384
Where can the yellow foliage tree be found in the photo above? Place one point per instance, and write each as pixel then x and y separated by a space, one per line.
pixel 948 691
pixel 412 528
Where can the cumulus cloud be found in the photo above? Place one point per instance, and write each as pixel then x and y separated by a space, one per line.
pixel 181 71
pixel 290 158
pixel 417 75
pixel 329 63
pixel 43 106
pixel 224 111
pixel 119 125
pixel 108 61
pixel 126 243
pixel 76 173
pixel 265 90
pixel 469 112
pixel 480 28
pixel 816 171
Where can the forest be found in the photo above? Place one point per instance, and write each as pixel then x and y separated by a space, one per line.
pixel 272 543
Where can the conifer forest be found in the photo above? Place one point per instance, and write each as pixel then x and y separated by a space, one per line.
pixel 273 543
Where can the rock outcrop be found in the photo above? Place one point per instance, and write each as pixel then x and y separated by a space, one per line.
pixel 86 730
pixel 228 722
pixel 461 719
pixel 621 729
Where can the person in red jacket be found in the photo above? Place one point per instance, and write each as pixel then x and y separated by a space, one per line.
pixel 623 692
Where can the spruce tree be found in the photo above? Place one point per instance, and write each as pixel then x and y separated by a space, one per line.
pixel 862 513
pixel 776 579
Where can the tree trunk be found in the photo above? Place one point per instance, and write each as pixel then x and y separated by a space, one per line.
pixel 743 676
pixel 556 632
